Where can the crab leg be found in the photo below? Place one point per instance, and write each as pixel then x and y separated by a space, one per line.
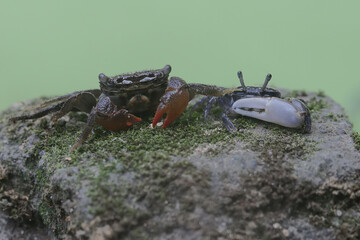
pixel 83 101
pixel 227 122
pixel 106 114
pixel 291 113
pixel 38 114
pixel 77 101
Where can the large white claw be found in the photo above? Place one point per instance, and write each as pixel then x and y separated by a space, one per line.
pixel 290 113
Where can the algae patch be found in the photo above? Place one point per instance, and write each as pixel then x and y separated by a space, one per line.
pixel 315 104
pixel 356 138
pixel 179 139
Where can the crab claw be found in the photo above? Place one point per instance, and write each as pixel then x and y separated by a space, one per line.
pixel 291 113
pixel 117 121
pixel 173 102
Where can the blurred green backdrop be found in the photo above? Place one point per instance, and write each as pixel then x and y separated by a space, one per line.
pixel 56 47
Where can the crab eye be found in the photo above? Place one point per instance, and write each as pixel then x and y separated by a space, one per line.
pixel 103 77
pixel 167 69
pixel 160 75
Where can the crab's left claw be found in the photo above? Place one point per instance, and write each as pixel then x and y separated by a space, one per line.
pixel 117 121
pixel 173 102
pixel 291 113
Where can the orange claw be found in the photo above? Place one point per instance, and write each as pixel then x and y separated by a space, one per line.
pixel 132 119
pixel 173 102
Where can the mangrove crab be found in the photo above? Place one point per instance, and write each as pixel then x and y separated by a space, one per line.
pixel 259 102
pixel 120 98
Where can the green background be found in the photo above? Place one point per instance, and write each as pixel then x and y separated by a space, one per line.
pixel 56 47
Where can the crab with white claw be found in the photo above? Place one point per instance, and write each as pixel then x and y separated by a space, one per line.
pixel 262 103
pixel 120 97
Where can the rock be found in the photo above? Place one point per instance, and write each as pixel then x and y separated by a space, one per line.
pixel 10 229
pixel 192 180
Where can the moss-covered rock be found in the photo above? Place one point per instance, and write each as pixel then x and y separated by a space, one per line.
pixel 192 180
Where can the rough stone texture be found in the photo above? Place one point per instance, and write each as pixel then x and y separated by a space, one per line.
pixel 12 230
pixel 190 181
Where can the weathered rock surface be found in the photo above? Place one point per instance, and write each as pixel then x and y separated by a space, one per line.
pixel 12 230
pixel 190 181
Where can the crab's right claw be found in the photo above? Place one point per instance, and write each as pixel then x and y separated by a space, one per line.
pixel 173 102
pixel 291 113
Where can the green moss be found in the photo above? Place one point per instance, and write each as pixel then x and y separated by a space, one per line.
pixel 356 137
pixel 316 104
pixel 332 117
pixel 42 178
pixel 246 123
pixel 297 93
pixel 131 146
pixel 335 117
pixel 320 94
pixel 47 213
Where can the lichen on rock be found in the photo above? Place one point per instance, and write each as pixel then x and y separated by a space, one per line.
pixel 192 180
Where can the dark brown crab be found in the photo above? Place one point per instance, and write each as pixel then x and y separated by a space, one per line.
pixel 120 97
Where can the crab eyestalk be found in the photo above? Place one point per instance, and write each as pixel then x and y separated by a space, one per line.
pixel 291 113
pixel 267 80
pixel 240 76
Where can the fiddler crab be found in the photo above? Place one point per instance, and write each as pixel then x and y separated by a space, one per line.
pixel 259 102
pixel 122 98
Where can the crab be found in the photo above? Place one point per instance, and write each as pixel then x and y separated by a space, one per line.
pixel 123 99
pixel 259 102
